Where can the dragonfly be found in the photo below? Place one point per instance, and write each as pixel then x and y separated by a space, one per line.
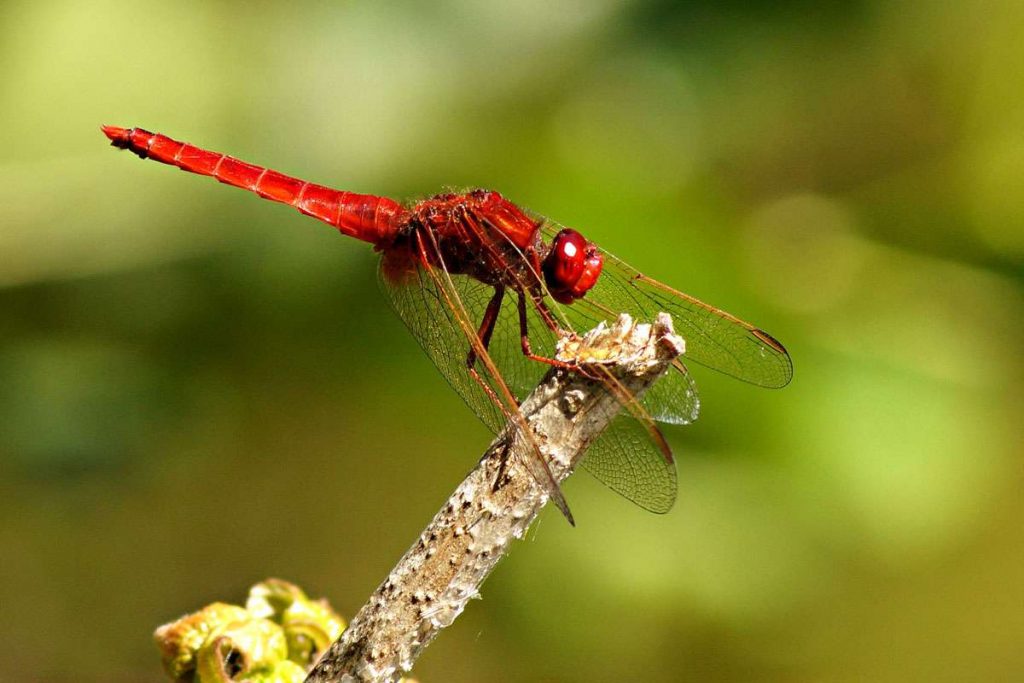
pixel 488 288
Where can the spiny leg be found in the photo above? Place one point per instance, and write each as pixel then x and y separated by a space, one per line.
pixel 524 338
pixel 487 324
pixel 484 335
pixel 544 311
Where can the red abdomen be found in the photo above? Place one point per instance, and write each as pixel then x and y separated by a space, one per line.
pixel 366 217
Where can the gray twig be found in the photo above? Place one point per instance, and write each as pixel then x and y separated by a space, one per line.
pixel 430 585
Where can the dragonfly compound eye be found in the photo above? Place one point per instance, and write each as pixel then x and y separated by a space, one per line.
pixel 571 267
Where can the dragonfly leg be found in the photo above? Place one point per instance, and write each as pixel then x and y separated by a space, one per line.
pixel 484 334
pixel 524 341
pixel 487 324
pixel 545 313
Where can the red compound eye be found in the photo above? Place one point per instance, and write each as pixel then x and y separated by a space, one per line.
pixel 571 267
pixel 565 262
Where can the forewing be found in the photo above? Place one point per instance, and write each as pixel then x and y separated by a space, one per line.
pixel 713 337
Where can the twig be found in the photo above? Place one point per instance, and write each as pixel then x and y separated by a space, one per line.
pixel 431 584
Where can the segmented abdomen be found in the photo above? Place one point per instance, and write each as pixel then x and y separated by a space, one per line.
pixel 366 217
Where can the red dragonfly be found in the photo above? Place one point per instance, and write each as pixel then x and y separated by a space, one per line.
pixel 452 262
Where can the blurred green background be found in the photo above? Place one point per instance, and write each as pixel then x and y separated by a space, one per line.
pixel 200 389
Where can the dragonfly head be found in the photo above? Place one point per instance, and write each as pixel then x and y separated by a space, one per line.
pixel 572 266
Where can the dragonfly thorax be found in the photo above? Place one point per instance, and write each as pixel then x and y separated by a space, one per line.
pixel 483 235
pixel 479 234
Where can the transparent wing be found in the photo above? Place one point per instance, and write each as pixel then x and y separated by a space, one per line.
pixel 713 337
pixel 673 399
pixel 423 310
pixel 431 321
pixel 625 459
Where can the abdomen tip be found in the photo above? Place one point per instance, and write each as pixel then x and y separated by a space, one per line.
pixel 115 133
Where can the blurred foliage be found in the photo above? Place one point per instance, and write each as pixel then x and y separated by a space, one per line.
pixel 199 388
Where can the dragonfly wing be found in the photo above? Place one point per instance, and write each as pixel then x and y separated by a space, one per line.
pixel 673 399
pixel 719 340
pixel 626 460
pixel 421 305
pixel 713 337
pixel 422 308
